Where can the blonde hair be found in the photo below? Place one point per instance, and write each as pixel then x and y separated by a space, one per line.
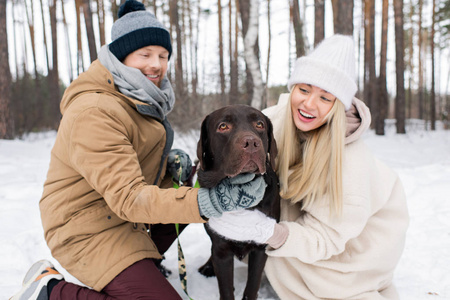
pixel 309 164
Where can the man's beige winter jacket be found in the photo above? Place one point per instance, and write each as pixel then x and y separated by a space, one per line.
pixel 102 183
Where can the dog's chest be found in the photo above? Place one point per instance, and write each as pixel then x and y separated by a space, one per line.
pixel 241 250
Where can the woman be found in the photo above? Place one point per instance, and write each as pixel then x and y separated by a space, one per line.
pixel 343 212
pixel 106 180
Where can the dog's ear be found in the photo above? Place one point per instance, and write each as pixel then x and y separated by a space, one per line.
pixel 273 150
pixel 202 145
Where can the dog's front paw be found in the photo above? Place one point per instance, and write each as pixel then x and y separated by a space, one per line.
pixel 207 269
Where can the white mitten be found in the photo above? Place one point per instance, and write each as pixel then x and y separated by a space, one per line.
pixel 244 225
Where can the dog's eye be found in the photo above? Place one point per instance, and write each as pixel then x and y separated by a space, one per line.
pixel 259 124
pixel 223 127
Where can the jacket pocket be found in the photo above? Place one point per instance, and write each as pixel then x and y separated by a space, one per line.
pixel 94 220
pixel 140 227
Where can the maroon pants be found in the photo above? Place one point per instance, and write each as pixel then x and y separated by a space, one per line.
pixel 142 280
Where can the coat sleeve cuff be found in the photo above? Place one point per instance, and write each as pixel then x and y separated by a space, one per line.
pixel 279 237
pixel 205 204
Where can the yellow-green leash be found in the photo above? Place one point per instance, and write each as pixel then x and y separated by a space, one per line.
pixel 181 261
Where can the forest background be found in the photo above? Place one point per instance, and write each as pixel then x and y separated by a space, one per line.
pixel 235 51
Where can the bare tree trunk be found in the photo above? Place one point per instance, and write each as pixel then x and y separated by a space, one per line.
pixel 426 94
pixel 195 56
pixel 433 92
pixel 25 49
pixel 45 39
pixel 289 52
pixel 410 60
pixel 446 116
pixel 184 36
pixel 35 102
pixel 101 21
pixel 400 66
pixel 80 61
pixel 166 8
pixel 361 32
pixel 154 8
pixel 266 91
pixel 298 29
pixel 373 81
pixel 193 49
pixel 6 120
pixel 54 37
pixel 66 31
pixel 230 47
pixel 179 82
pixel 236 49
pixel 234 81
pixel 383 97
pixel 115 10
pixel 16 61
pixel 439 63
pixel 335 6
pixel 420 41
pixel 366 92
pixel 319 21
pixel 30 21
pixel 344 18
pixel 221 65
pixel 244 9
pixel 53 73
pixel 17 108
pixel 87 13
pixel 252 58
pixel 234 74
pixel 370 85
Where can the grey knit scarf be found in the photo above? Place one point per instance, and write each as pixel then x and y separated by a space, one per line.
pixel 132 83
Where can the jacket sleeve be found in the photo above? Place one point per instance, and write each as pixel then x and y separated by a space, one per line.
pixel 101 151
pixel 315 235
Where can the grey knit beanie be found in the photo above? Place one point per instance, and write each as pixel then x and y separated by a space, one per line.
pixel 331 67
pixel 137 28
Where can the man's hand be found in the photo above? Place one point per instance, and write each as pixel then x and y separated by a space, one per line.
pixel 242 191
pixel 179 165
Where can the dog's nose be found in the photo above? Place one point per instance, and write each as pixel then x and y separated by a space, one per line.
pixel 250 143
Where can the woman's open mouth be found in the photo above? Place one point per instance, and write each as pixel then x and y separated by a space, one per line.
pixel 305 114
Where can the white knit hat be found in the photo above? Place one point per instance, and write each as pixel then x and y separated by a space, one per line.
pixel 331 67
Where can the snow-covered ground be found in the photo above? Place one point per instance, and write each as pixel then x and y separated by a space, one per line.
pixel 421 157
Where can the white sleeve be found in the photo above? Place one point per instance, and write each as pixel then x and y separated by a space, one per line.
pixel 317 236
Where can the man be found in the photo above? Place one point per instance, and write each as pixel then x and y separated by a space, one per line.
pixel 106 181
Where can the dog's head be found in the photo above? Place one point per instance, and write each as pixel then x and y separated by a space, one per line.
pixel 235 139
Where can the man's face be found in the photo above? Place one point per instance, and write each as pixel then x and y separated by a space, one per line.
pixel 152 61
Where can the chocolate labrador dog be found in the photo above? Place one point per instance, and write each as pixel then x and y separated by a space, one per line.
pixel 237 139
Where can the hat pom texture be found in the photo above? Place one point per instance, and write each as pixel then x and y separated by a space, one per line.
pixel 137 28
pixel 331 67
pixel 130 6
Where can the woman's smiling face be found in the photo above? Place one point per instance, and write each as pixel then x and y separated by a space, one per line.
pixel 152 61
pixel 310 105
